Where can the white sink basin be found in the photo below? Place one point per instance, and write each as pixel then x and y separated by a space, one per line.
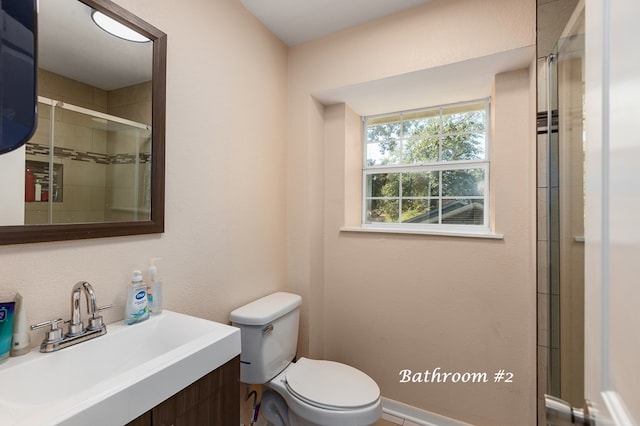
pixel 114 378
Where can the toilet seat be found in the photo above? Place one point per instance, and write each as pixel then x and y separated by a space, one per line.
pixel 331 385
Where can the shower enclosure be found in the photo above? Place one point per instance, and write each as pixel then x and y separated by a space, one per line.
pixel 86 166
pixel 561 127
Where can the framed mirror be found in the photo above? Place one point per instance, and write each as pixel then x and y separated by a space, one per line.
pixel 95 164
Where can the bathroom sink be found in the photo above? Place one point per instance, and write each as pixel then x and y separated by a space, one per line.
pixel 116 377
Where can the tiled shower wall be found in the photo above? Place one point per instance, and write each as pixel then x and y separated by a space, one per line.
pixel 89 161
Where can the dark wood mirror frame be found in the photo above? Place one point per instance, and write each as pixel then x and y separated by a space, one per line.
pixel 58 232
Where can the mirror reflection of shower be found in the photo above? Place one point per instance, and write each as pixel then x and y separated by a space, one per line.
pixel 85 166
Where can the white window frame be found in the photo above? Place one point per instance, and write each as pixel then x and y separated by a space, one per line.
pixel 439 166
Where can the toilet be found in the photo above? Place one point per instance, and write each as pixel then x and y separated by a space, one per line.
pixel 306 392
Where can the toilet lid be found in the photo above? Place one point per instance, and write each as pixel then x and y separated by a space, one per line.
pixel 331 384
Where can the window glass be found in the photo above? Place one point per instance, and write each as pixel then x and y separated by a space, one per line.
pixel 383 210
pixel 422 150
pixel 427 167
pixel 463 182
pixel 420 211
pixel 383 185
pixel 422 184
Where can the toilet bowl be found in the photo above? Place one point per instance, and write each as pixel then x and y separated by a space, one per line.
pixel 307 392
pixel 327 393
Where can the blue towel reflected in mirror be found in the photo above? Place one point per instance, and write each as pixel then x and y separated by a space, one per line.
pixel 18 61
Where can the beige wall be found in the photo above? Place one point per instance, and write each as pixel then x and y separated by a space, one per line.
pixel 58 87
pixel 225 220
pixel 383 302
pixel 132 102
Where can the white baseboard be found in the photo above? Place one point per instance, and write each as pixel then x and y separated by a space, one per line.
pixel 395 412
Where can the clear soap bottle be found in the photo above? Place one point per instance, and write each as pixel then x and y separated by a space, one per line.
pixel 156 288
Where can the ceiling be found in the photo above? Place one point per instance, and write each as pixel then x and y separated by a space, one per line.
pixel 298 21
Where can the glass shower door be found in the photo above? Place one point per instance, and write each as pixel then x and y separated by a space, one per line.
pixel 566 212
pixel 571 129
pixel 85 166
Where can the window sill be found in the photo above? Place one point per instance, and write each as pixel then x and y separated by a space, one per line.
pixel 447 233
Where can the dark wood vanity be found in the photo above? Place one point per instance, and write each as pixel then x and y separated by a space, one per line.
pixel 213 400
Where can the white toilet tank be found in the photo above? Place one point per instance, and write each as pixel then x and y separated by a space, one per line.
pixel 269 335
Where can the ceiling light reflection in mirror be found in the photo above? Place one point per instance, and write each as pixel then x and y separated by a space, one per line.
pixel 116 28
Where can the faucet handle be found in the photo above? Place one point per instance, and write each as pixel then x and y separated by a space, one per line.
pixel 102 308
pixel 95 322
pixel 53 335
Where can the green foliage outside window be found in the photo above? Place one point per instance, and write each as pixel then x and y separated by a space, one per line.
pixel 438 154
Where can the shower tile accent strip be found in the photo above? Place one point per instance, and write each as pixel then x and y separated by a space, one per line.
pixel 541 122
pixel 87 156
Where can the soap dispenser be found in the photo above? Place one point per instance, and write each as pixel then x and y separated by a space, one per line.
pixel 155 304
pixel 136 309
pixel 20 341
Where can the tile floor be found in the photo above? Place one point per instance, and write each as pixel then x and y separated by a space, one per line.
pixel 384 423
pixel 396 422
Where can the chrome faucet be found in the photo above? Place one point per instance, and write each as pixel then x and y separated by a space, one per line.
pixel 76 326
pixel 78 333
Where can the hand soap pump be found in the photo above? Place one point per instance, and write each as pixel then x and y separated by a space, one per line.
pixel 20 342
pixel 156 288
pixel 137 308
